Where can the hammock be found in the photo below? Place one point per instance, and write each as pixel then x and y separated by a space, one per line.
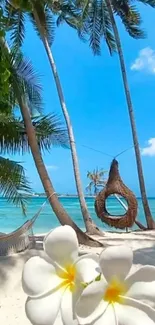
pixel 18 240
pixel 116 186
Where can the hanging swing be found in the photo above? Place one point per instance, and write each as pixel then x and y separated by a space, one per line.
pixel 115 185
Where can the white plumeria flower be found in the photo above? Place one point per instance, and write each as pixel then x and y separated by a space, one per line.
pixel 54 286
pixel 119 298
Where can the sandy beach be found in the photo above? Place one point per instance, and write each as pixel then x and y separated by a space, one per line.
pixel 12 297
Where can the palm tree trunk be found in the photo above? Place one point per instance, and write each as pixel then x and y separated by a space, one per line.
pixel 91 228
pixel 148 216
pixel 60 212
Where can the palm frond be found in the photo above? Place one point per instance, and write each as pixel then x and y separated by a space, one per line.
pixel 12 139
pixel 89 175
pixel 50 132
pixel 89 186
pixel 27 81
pixel 148 2
pixel 23 79
pixel 96 175
pixel 69 14
pixel 15 21
pixel 130 18
pixel 46 20
pixel 13 182
pixel 122 5
pixel 106 28
pixel 96 25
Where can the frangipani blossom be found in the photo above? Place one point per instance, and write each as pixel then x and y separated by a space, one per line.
pixel 54 286
pixel 119 298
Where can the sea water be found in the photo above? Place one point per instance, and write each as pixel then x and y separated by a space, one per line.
pixel 11 217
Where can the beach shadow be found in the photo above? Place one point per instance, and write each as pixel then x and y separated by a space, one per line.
pixel 5 264
pixel 145 256
pixel 13 263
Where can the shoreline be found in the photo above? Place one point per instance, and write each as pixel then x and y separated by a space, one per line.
pixel 107 231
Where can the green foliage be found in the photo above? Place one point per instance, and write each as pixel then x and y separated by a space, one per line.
pixel 24 4
pixel 13 139
pixel 13 182
pixel 2 23
pixel 148 2
pixel 23 82
pixel 130 17
pixel 48 13
pixel 96 24
pixel 4 70
pixel 50 132
pixel 46 20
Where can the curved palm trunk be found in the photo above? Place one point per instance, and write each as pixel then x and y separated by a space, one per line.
pixel 60 212
pixel 148 216
pixel 91 228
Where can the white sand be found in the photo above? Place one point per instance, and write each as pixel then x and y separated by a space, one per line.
pixel 12 297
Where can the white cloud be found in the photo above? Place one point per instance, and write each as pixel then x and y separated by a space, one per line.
pixel 150 149
pixel 51 167
pixel 145 61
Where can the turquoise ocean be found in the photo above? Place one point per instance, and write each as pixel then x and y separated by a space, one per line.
pixel 11 217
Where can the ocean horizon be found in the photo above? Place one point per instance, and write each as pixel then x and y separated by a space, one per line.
pixel 11 217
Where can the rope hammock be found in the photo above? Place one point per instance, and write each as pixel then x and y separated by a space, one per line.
pixel 115 185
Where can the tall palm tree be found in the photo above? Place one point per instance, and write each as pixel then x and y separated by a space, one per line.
pixel 40 13
pixel 13 140
pixel 99 22
pixel 25 90
pixel 96 180
pixel 149 219
pixel 49 131
pixel 13 181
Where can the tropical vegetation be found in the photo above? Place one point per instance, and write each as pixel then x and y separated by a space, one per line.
pixel 97 180
pixel 41 14
pixel 13 139
pixel 20 89
pixel 24 93
pixel 98 22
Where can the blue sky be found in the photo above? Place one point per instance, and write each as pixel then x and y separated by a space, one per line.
pixel 95 99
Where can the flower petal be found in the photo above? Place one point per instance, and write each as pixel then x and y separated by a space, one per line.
pixel 43 310
pixel 141 284
pixel 116 261
pixel 87 268
pixel 107 318
pixel 68 302
pixel 61 245
pixel 39 277
pixel 128 315
pixel 141 306
pixel 91 305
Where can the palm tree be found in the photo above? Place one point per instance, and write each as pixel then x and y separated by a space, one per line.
pixel 49 131
pixel 40 13
pixel 149 219
pixel 13 181
pixel 24 89
pixel 96 180
pixel 13 140
pixel 99 21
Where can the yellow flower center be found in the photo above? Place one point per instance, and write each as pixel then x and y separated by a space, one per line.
pixel 115 291
pixel 68 274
